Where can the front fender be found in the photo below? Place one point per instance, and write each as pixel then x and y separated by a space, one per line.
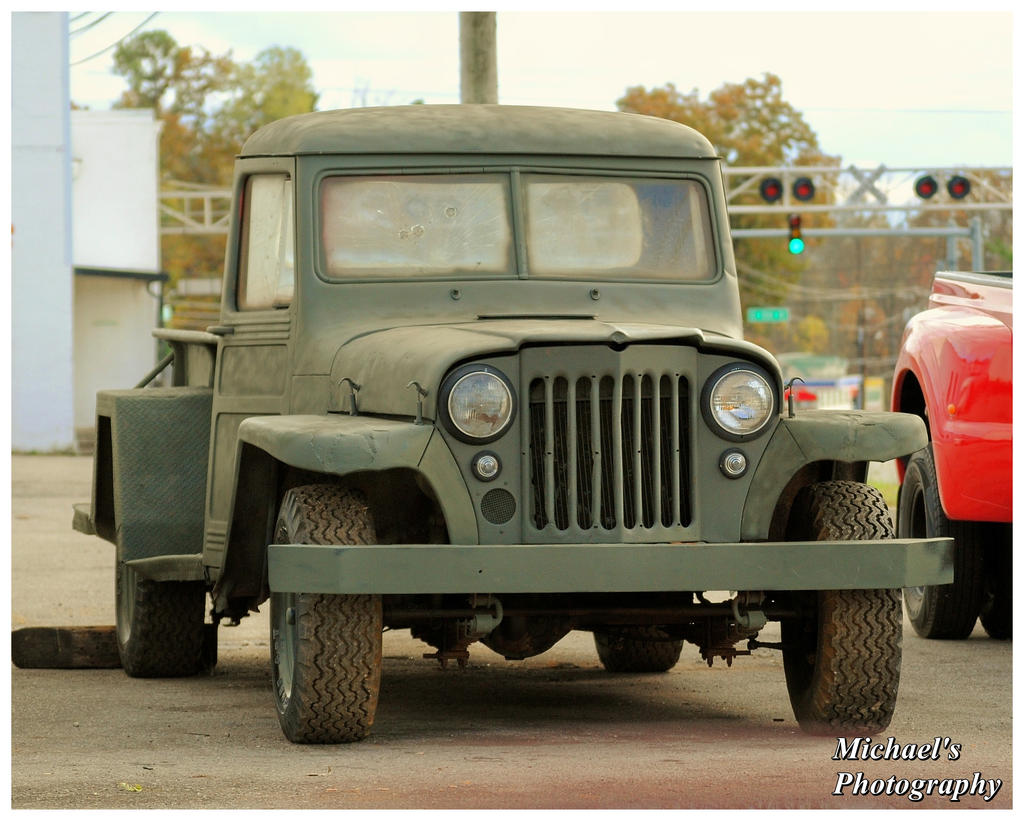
pixel 340 445
pixel 962 361
pixel 824 436
pixel 337 444
pixel 330 445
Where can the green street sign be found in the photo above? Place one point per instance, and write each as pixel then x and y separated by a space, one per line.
pixel 767 314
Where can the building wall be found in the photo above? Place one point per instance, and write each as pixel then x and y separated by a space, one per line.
pixel 114 320
pixel 41 308
pixel 115 162
pixel 115 194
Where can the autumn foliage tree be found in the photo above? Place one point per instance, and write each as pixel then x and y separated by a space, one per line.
pixel 277 84
pixel 208 105
pixel 178 83
pixel 750 124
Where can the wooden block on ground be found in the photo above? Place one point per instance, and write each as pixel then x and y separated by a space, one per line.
pixel 65 647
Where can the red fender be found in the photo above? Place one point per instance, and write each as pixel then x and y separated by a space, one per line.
pixel 960 351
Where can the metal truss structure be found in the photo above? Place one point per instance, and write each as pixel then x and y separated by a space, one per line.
pixel 865 190
pixel 186 208
pixel 196 209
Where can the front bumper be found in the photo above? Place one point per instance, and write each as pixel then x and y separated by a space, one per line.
pixel 608 568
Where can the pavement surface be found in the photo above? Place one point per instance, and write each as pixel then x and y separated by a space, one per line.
pixel 555 731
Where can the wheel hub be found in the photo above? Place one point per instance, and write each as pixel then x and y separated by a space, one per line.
pixel 285 644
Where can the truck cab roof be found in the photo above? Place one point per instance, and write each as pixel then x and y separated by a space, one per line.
pixel 478 129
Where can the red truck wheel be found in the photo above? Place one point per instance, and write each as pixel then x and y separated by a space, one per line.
pixel 946 611
pixel 997 607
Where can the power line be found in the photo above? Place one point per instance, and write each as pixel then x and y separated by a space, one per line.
pixel 117 42
pixel 804 293
pixel 88 26
pixel 910 111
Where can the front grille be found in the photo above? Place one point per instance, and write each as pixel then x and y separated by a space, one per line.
pixel 609 452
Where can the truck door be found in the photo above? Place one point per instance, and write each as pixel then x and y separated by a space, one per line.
pixel 255 331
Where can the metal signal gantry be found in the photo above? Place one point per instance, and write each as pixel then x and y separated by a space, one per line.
pixel 199 209
pixel 765 189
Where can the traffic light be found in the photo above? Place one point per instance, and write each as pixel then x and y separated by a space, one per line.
pixel 925 187
pixel 796 240
pixel 958 187
pixel 771 189
pixel 803 189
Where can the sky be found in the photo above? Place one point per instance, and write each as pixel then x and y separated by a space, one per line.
pixel 909 88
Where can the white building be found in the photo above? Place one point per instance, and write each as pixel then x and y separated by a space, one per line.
pixel 115 228
pixel 41 363
pixel 85 259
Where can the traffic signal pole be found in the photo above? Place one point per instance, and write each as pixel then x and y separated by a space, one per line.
pixel 861 191
pixel 973 232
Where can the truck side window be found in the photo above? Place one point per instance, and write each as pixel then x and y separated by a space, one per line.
pixel 266 275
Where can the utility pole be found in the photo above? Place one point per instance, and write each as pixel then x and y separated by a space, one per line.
pixel 478 60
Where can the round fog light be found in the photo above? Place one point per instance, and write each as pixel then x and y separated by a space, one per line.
pixel 486 466
pixel 733 463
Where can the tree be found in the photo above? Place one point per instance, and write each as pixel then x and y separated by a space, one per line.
pixel 208 105
pixel 169 78
pixel 849 296
pixel 810 334
pixel 749 124
pixel 277 84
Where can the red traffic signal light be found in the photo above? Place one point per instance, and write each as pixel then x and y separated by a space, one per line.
pixel 958 187
pixel 771 189
pixel 925 187
pixel 803 189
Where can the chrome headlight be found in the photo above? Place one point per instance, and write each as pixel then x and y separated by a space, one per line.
pixel 477 403
pixel 738 401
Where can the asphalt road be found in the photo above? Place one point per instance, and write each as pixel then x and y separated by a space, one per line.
pixel 552 732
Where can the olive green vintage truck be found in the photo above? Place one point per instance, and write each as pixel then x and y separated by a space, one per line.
pixel 480 374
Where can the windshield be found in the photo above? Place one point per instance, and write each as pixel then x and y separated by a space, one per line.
pixel 587 227
pixel 573 226
pixel 423 225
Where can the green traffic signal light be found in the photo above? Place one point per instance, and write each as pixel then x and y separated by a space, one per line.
pixel 796 240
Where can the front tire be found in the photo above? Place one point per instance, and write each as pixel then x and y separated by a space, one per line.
pixel 326 649
pixel 842 658
pixel 160 631
pixel 943 611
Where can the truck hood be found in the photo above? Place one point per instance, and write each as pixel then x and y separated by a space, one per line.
pixel 385 363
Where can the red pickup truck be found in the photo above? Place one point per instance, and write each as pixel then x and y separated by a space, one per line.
pixel 955 371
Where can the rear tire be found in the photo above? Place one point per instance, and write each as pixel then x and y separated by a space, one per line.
pixel 326 649
pixel 997 606
pixel 842 660
pixel 160 631
pixel 636 650
pixel 944 611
